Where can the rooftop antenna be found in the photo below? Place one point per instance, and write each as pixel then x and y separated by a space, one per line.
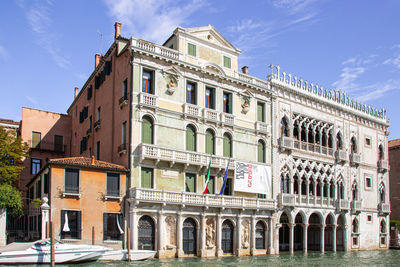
pixel 101 41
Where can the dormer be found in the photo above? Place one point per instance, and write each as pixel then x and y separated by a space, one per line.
pixel 205 46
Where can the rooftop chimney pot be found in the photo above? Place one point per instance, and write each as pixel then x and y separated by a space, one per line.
pixel 92 160
pixel 96 60
pixel 117 26
pixel 245 69
pixel 76 91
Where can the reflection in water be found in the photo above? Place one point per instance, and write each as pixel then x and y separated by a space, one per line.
pixel 362 258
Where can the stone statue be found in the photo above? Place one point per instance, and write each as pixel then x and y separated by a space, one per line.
pixel 245 234
pixel 171 232
pixel 210 233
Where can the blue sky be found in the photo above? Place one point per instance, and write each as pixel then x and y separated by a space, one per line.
pixel 47 47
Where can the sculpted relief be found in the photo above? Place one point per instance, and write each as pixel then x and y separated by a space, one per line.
pixel 171 232
pixel 245 234
pixel 210 233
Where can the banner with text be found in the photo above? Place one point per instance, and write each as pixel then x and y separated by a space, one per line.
pixel 252 178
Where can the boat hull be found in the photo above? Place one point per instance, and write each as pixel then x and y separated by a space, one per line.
pixel 122 255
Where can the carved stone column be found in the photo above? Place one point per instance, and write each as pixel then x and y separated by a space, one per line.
pixel 291 237
pixel 334 237
pixel 133 227
pixel 270 237
pixel 308 190
pixel 315 192
pixel 253 235
pixel 45 208
pixel 161 232
pixel 179 241
pixel 322 248
pixel 345 238
pixel 291 185
pixel 219 236
pixel 305 231
pixel 238 234
pixel 203 236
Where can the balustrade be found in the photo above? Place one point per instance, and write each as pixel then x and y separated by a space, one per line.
pixel 191 110
pixel 311 147
pixel 148 100
pixel 383 165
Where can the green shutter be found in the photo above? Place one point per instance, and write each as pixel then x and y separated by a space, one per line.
pixel 192 50
pixel 147 178
pixel 230 103
pixel 227 146
pixel 147 131
pixel 261 152
pixel 210 188
pixel 190 138
pixel 209 142
pixel 260 112
pixel 227 62
pixel 190 182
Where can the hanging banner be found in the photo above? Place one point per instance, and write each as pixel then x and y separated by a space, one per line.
pixel 252 178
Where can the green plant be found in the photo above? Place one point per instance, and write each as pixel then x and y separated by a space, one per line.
pixel 393 222
pixel 36 202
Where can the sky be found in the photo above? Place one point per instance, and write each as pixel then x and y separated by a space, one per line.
pixel 47 47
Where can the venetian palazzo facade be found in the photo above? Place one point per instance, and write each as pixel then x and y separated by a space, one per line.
pixel 166 112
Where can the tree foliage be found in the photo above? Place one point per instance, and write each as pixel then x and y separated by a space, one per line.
pixel 12 151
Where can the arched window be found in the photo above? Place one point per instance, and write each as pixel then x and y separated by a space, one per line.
pixel 324 138
pixel 190 138
pixel 318 136
pixel 311 188
pixel 260 235
pixel 340 188
pixel 296 133
pixel 326 188
pixel 284 127
pixel 210 142
pixel 227 145
pixel 354 191
pixel 382 229
pixel 332 189
pixel 147 130
pixel 304 186
pixel 296 184
pixel 146 233
pixel 381 152
pixel 382 193
pixel 353 147
pixel 355 226
pixel 330 140
pixel 339 141
pixel 310 135
pixel 303 133
pixel 285 183
pixel 261 151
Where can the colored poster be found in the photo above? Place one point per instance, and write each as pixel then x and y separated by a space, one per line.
pixel 252 178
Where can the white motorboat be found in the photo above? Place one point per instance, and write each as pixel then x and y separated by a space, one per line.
pixel 40 252
pixel 122 255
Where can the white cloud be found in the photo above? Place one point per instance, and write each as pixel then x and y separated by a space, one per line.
pixel 245 24
pixel 39 19
pixel 379 90
pixel 32 100
pixel 395 61
pixel 152 20
pixel 3 53
pixel 300 11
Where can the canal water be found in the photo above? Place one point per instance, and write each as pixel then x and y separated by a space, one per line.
pixel 352 259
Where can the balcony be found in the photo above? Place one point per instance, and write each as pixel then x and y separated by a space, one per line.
pixel 201 200
pixel 383 165
pixel 148 100
pixel 89 132
pixel 227 119
pixel 97 125
pixel 342 204
pixel 262 127
pixel 123 101
pixel 210 115
pixel 384 208
pixel 341 155
pixel 173 156
pixel 286 200
pixel 122 149
pixel 355 159
pixel 48 147
pixel 356 206
pixel 190 110
pixel 311 147
pixel 286 143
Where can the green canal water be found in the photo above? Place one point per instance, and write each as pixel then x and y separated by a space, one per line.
pixel 362 258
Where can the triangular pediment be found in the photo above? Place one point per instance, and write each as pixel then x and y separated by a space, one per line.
pixel 173 71
pixel 211 35
pixel 247 93
pixel 212 67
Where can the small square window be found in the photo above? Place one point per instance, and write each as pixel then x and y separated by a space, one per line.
pixel 355 241
pixel 227 62
pixel 369 218
pixel 113 184
pixel 191 49
pixel 368 182
pixel 367 141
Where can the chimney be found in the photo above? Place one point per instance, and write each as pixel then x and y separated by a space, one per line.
pixel 92 160
pixel 245 70
pixel 117 26
pixel 76 91
pixel 96 60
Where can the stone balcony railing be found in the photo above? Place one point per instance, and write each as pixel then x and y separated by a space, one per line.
pixel 148 100
pixel 227 119
pixel 286 143
pixel 210 114
pixel 262 127
pixel 294 200
pixel 195 199
pixel 383 165
pixel 356 206
pixel 311 147
pixel 342 204
pixel 191 110
pixel 384 208
pixel 341 155
pixel 174 156
pixel 355 159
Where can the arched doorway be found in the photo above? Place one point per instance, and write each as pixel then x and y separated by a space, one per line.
pixel 189 236
pixel 146 233
pixel 328 235
pixel 260 235
pixel 314 233
pixel 298 232
pixel 340 234
pixel 284 233
pixel 227 236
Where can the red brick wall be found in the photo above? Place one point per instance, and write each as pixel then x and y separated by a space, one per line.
pixel 394 178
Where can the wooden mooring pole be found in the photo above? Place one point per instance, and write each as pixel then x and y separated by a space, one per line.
pixel 93 236
pixel 53 255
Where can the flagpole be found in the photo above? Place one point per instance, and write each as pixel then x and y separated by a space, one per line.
pixel 225 178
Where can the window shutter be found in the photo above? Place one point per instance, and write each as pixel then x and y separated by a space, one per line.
pixel 260 112
pixel 210 188
pixel 227 146
pixel 105 219
pixel 79 224
pixel 190 139
pixel 190 182
pixel 147 131
pixel 62 223
pixel 230 103
pixel 209 143
pixel 261 152
pixel 147 175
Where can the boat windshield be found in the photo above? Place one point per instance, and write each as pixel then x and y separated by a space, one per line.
pixel 45 243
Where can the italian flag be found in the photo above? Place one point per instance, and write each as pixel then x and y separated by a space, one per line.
pixel 207 179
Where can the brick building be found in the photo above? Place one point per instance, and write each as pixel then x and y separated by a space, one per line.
pixel 394 173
